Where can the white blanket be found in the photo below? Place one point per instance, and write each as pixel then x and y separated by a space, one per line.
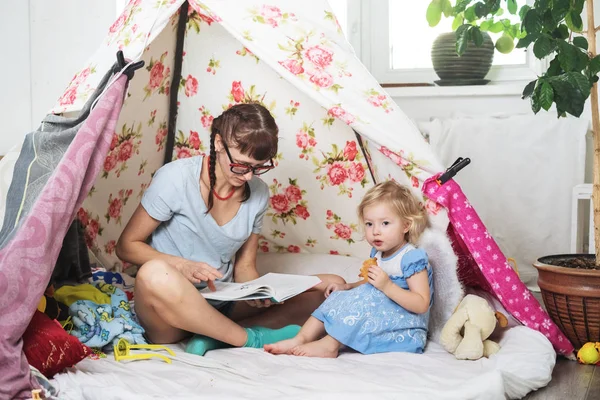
pixel 524 363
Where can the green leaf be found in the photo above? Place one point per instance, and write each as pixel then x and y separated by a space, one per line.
pixel 497 27
pixel 485 25
pixel 579 81
pixel 578 6
pixel 512 6
pixel 560 8
pixel 532 22
pixel 461 5
pixel 462 40
pixel 594 66
pixel 458 21
pixel 542 5
pixel 523 11
pixel 543 46
pixel 526 41
pixel 568 56
pixel 447 8
pixel 561 32
pixel 499 12
pixel 480 10
pixel 567 95
pixel 477 36
pixel 434 13
pixel 580 42
pixel 554 69
pixel 529 89
pixel 536 105
pixel 574 22
pixel 546 96
pixel 470 14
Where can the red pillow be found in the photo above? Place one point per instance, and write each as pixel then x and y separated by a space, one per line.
pixel 49 348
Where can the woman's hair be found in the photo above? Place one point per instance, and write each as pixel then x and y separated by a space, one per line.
pixel 402 201
pixel 251 129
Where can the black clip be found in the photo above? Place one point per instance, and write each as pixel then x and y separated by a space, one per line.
pixel 121 63
pixel 459 164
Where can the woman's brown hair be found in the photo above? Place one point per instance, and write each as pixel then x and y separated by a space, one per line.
pixel 251 129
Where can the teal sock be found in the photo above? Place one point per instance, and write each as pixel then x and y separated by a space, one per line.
pixel 258 336
pixel 200 344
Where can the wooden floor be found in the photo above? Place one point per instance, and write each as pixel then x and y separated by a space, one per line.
pixel 570 380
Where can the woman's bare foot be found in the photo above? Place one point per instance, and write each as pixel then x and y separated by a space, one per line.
pixel 284 346
pixel 327 347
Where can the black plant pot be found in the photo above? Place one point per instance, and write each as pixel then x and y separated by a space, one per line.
pixel 468 69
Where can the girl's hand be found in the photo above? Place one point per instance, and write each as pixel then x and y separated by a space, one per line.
pixel 260 303
pixel 197 272
pixel 334 287
pixel 378 277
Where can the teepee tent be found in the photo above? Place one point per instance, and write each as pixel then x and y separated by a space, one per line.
pixel 339 134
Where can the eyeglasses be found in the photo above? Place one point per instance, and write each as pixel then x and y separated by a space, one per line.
pixel 243 169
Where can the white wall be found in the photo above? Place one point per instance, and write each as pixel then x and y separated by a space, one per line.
pixel 44 43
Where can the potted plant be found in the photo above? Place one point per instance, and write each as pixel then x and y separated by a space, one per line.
pixel 570 284
pixel 465 55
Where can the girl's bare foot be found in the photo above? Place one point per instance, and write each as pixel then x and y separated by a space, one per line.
pixel 284 346
pixel 327 347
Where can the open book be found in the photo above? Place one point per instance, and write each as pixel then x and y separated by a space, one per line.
pixel 277 287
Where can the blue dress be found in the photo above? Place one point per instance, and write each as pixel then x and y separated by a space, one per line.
pixel 367 321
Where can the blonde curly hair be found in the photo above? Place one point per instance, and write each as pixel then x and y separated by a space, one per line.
pixel 402 201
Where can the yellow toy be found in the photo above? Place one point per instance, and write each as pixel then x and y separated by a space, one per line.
pixel 466 333
pixel 589 353
pixel 123 351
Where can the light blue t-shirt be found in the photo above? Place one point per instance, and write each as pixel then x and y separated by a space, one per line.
pixel 187 230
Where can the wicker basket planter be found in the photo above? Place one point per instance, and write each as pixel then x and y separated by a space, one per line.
pixel 572 298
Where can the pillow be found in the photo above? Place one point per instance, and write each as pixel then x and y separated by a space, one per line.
pixel 49 348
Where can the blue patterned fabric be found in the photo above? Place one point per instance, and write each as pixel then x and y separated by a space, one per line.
pixel 367 321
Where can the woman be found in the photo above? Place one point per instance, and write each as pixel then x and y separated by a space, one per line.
pixel 202 216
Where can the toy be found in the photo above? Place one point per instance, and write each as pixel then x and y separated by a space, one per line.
pixel 589 353
pixel 364 270
pixel 466 333
pixel 123 351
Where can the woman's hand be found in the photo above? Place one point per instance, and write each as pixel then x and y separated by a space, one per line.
pixel 197 272
pixel 378 277
pixel 261 303
pixel 334 287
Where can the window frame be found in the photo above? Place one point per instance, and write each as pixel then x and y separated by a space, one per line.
pixel 368 33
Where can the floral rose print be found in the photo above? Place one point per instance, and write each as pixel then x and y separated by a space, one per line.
pixel 330 16
pixel 189 146
pixel 161 136
pixel 310 242
pixel 213 65
pixel 286 204
pixel 189 85
pixel 271 15
pixel 246 52
pixel 305 140
pixel 122 147
pixel 160 78
pixel 115 205
pixel 71 93
pixel 142 167
pixel 310 57
pixel 263 244
pixel 120 31
pixel 338 112
pixel 152 118
pixel 377 99
pixel 110 246
pixel 406 162
pixel 277 234
pixel 198 16
pixel 342 168
pixel 341 231
pixel 432 207
pixel 92 228
pixel 206 119
pixel 239 95
pixel 293 108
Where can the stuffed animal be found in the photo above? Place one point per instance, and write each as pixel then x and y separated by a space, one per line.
pixel 589 353
pixel 466 333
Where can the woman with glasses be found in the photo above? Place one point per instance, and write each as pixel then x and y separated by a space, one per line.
pixel 198 222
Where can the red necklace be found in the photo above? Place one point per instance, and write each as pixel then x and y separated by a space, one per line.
pixel 217 194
